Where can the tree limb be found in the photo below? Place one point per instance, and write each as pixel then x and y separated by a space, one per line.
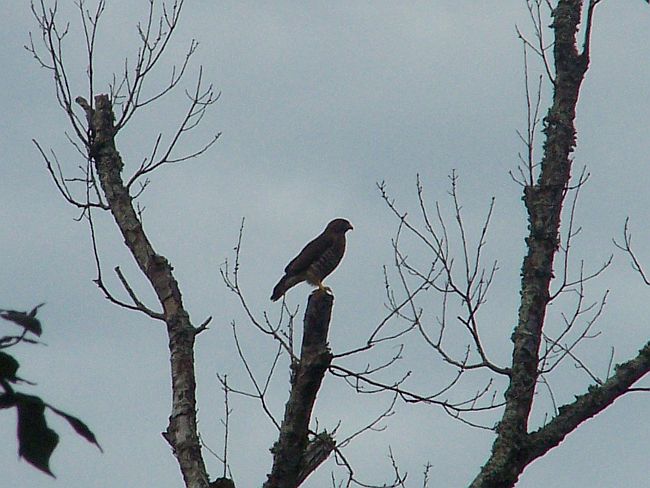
pixel 585 406
pixel 294 456
pixel 181 432
pixel 543 202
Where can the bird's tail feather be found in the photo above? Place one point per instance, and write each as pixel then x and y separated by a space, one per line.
pixel 283 285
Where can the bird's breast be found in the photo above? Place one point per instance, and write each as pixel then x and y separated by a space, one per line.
pixel 325 264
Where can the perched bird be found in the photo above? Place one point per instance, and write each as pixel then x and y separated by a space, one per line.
pixel 317 260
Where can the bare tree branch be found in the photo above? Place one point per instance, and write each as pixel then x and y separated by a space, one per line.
pixel 627 247
pixel 588 405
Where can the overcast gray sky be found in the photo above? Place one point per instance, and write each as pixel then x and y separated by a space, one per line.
pixel 320 101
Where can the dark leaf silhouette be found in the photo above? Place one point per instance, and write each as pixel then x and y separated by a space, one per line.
pixel 8 341
pixel 36 441
pixel 7 400
pixel 79 427
pixel 8 367
pixel 28 321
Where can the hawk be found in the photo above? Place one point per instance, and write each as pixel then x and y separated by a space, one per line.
pixel 317 260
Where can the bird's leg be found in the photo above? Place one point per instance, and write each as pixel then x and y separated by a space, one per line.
pixel 324 289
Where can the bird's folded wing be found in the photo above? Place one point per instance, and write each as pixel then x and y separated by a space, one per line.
pixel 309 254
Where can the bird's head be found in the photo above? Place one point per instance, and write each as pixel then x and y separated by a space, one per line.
pixel 339 226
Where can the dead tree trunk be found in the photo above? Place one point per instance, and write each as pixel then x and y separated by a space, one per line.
pixel 294 455
pixel 181 432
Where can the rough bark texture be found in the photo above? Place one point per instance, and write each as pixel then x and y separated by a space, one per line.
pixel 544 205
pixel 294 457
pixel 586 406
pixel 514 448
pixel 181 432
